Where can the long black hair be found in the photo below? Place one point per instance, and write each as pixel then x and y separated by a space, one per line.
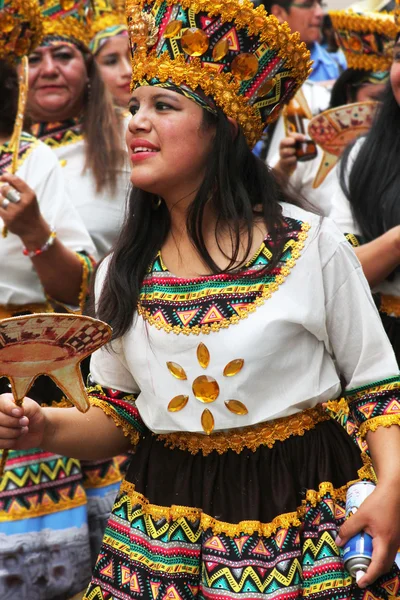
pixel 242 190
pixel 9 97
pixel 372 183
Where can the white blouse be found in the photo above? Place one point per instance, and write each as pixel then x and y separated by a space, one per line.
pixel 39 168
pixel 342 214
pixel 319 322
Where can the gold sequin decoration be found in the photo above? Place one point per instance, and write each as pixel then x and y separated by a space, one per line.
pixel 244 66
pixel 178 403
pixel 220 50
pixel 236 407
pixel 205 388
pixel 194 42
pixel 176 370
pixel 203 355
pixel 6 23
pixel 233 367
pixel 173 29
pixel 207 421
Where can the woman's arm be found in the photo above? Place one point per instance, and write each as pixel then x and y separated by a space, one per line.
pixel 380 257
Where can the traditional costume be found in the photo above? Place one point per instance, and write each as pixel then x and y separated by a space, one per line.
pixel 44 540
pixel 238 481
pixel 108 21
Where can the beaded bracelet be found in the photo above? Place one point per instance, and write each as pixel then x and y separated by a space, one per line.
pixel 46 246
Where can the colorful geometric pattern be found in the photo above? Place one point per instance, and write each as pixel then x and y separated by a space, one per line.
pixel 37 483
pixel 182 306
pixel 108 21
pixel 27 144
pixel 145 555
pixel 375 405
pixel 66 19
pixel 120 407
pixel 59 134
pixel 244 59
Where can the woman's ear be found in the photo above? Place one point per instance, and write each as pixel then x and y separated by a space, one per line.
pixel 234 126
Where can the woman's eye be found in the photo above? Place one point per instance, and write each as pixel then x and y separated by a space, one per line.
pixel 63 56
pixel 396 55
pixel 111 60
pixel 33 60
pixel 163 106
pixel 133 110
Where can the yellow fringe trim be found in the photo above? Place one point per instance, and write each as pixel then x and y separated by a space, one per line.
pixel 68 27
pixel 390 305
pixel 286 520
pixel 262 434
pixel 107 408
pixel 352 239
pixel 267 290
pixel 382 421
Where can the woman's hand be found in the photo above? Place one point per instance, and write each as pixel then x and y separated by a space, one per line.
pixel 23 427
pixel 379 516
pixel 287 154
pixel 23 218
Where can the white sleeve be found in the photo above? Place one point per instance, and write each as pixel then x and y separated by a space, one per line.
pixel 358 340
pixel 108 365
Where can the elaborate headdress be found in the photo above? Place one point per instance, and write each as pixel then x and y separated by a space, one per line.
pixel 366 34
pixel 67 20
pixel 20 28
pixel 248 63
pixel 108 21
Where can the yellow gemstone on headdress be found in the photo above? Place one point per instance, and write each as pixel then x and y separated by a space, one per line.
pixel 203 355
pixel 6 23
pixel 233 367
pixel 207 421
pixel 178 403
pixel 244 66
pixel 266 87
pixel 236 407
pixel 220 50
pixel 194 42
pixel 176 370
pixel 172 29
pixel 205 388
pixel 355 44
pixel 67 4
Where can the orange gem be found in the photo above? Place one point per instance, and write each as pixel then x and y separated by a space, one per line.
pixel 205 388
pixel 178 403
pixel 172 29
pixel 233 367
pixel 244 66
pixel 207 421
pixel 220 50
pixel 355 44
pixel 236 407
pixel 67 4
pixel 176 370
pixel 194 42
pixel 203 355
pixel 266 87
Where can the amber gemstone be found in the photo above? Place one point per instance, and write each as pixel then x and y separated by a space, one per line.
pixel 236 407
pixel 172 29
pixel 67 4
pixel 203 355
pixel 194 42
pixel 176 370
pixel 355 44
pixel 207 421
pixel 266 87
pixel 6 23
pixel 178 403
pixel 220 50
pixel 205 388
pixel 233 367
pixel 244 66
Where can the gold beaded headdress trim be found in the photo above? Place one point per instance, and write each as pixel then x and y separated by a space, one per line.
pixel 244 59
pixel 108 21
pixel 20 28
pixel 366 39
pixel 67 19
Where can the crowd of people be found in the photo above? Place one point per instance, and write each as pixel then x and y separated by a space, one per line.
pixel 192 173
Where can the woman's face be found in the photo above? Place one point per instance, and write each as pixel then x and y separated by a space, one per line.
pixel 395 72
pixel 57 82
pixel 113 59
pixel 167 142
pixel 370 91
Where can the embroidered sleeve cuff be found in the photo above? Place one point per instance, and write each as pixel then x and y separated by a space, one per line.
pixel 375 405
pixel 354 240
pixel 121 407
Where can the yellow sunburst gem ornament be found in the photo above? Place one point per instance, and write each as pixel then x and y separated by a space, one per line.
pixel 205 388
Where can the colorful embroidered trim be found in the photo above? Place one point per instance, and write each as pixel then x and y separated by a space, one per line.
pixel 339 411
pixel 100 473
pixel 59 134
pixel 121 408
pixel 262 434
pixel 205 304
pixel 88 265
pixel 27 144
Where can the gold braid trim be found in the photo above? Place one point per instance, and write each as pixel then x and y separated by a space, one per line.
pixel 352 239
pixel 106 21
pixel 268 290
pixel 286 520
pixel 106 407
pixel 390 305
pixel 252 437
pixel 375 422
pixel 368 63
pixel 67 27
